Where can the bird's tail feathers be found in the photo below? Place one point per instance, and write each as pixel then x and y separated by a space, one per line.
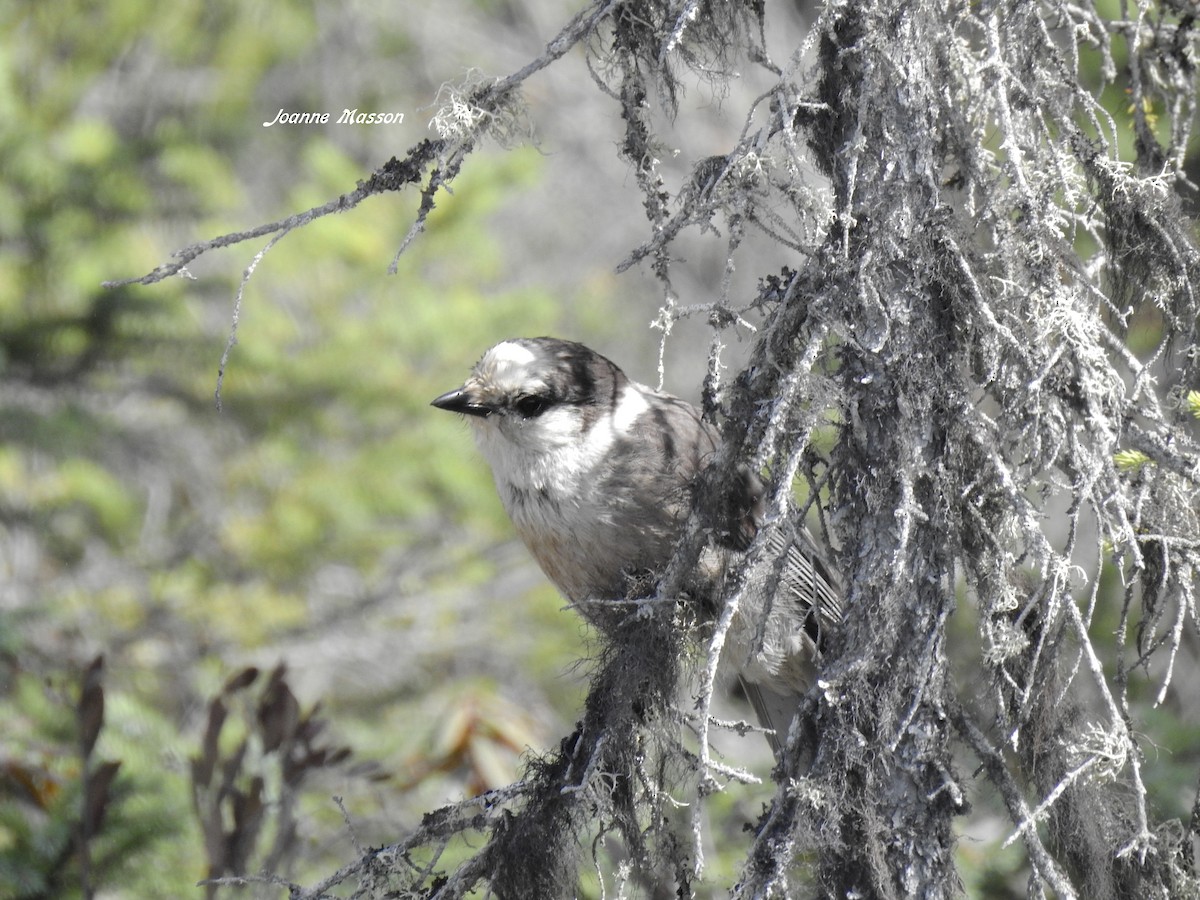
pixel 775 711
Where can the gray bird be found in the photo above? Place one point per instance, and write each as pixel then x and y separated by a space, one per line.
pixel 597 472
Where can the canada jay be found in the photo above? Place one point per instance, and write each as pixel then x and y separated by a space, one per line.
pixel 596 472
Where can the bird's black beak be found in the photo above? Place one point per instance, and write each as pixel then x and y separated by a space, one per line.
pixel 462 400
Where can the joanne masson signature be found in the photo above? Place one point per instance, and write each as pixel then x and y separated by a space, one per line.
pixel 348 117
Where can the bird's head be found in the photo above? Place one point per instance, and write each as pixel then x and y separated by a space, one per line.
pixel 536 395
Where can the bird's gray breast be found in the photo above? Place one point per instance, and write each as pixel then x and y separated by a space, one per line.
pixel 590 542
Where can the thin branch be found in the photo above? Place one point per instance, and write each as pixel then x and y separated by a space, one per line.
pixel 997 770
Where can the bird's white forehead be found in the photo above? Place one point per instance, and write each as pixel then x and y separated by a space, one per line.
pixel 510 354
pixel 508 364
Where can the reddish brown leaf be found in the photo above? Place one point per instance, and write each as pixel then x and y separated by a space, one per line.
pixel 34 783
pixel 99 789
pixel 241 680
pixel 90 713
pixel 205 763
pixel 278 714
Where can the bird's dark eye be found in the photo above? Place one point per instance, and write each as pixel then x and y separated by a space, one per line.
pixel 531 405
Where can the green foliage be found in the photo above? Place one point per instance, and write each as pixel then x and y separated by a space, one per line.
pixel 1130 459
pixel 133 809
pixel 1192 401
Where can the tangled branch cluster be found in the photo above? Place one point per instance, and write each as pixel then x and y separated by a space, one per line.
pixel 964 310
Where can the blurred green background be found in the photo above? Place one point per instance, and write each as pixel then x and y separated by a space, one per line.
pixel 327 519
